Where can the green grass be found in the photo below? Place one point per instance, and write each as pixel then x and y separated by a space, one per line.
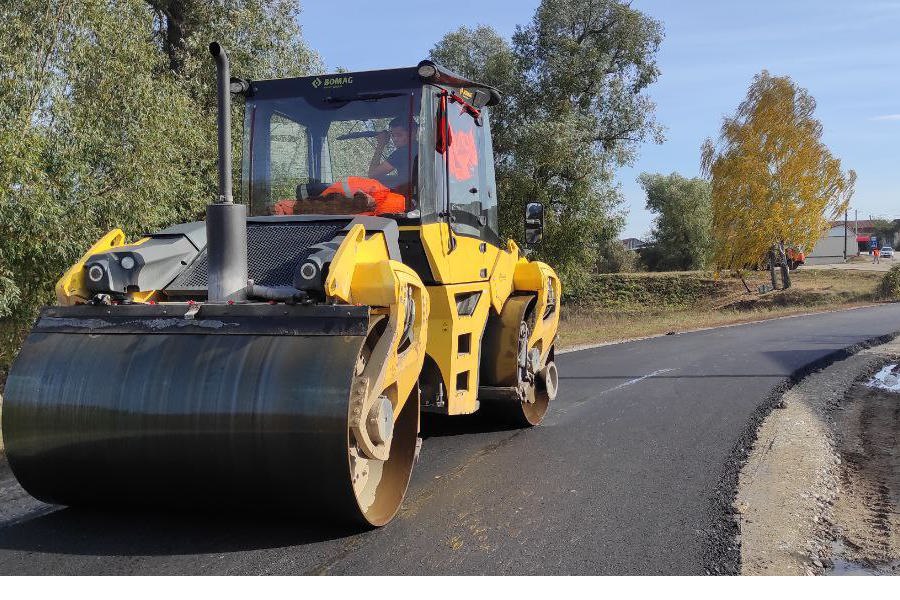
pixel 636 291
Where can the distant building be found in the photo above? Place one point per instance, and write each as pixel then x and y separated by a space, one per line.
pixel 831 247
pixel 633 243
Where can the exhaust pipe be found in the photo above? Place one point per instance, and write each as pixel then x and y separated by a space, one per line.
pixel 226 222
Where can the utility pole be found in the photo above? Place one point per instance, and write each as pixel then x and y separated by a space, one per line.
pixel 870 235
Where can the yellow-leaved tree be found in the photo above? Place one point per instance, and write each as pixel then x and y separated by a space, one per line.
pixel 775 185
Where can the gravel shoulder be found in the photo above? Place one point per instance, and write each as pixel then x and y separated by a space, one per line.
pixel 864 264
pixel 820 491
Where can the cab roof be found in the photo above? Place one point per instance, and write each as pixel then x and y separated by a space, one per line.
pixel 332 85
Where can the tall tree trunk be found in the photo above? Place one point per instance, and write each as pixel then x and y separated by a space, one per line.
pixel 171 14
pixel 772 268
pixel 785 269
pixel 744 281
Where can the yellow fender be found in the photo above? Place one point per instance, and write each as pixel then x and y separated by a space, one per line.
pixel 502 275
pixel 541 279
pixel 362 273
pixel 70 289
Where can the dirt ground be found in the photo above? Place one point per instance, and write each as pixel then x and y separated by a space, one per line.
pixel 820 492
pixel 858 263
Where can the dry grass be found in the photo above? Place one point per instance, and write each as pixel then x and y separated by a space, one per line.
pixel 724 302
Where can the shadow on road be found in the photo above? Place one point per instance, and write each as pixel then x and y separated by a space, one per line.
pixel 132 533
pixel 433 425
pixel 106 531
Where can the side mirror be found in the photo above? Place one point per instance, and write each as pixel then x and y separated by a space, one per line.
pixel 481 98
pixel 534 224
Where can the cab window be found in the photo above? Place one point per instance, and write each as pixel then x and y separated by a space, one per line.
pixel 290 149
pixel 464 164
pixel 488 191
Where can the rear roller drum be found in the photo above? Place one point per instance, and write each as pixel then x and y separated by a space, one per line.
pixel 519 389
pixel 538 385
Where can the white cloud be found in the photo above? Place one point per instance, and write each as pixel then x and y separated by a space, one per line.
pixel 885 118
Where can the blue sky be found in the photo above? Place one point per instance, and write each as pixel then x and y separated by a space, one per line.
pixel 846 53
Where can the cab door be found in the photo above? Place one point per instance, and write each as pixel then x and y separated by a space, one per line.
pixel 471 193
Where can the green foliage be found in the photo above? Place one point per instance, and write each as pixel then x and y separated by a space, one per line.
pixel 100 128
pixel 886 230
pixel 682 226
pixel 640 292
pixel 614 257
pixel 9 294
pixel 574 109
pixel 890 284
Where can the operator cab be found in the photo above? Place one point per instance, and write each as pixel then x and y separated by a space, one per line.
pixel 410 144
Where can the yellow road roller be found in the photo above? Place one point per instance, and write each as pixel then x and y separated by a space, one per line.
pixel 281 351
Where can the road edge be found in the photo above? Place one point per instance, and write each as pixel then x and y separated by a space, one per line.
pixel 721 552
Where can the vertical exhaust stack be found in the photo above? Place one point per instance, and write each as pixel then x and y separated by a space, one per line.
pixel 226 222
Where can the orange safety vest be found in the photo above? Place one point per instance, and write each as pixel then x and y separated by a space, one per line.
pixel 386 201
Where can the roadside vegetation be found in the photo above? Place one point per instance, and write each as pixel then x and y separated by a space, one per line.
pixel 619 306
pixel 890 284
pixel 681 238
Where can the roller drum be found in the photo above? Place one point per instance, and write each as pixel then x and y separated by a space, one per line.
pixel 107 414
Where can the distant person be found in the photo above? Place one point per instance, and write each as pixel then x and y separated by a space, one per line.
pixel 876 255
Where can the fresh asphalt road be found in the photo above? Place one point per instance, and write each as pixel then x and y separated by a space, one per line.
pixel 620 479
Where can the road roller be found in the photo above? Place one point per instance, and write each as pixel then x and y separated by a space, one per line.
pixel 280 352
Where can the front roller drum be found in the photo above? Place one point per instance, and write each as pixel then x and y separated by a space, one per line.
pixel 232 407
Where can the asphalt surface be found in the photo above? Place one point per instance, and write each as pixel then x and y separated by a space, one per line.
pixel 629 474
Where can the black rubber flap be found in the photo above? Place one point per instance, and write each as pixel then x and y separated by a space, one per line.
pixel 209 319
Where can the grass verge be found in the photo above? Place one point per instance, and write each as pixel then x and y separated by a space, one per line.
pixel 630 305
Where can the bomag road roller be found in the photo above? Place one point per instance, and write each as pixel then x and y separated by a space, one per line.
pixel 280 352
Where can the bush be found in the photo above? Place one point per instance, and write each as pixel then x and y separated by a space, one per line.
pixel 616 258
pixel 643 291
pixel 890 284
pixel 650 257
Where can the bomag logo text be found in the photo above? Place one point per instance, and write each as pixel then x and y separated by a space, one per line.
pixel 331 82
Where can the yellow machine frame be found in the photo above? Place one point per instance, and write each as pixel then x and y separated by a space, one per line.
pixel 363 273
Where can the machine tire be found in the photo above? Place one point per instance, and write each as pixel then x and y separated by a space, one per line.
pixel 505 365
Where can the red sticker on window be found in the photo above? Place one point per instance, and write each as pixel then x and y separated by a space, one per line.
pixel 463 155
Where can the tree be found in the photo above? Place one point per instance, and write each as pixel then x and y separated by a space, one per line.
pixel 683 222
pixel 614 257
pixel 774 182
pixel 574 110
pixel 98 130
pixel 885 230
